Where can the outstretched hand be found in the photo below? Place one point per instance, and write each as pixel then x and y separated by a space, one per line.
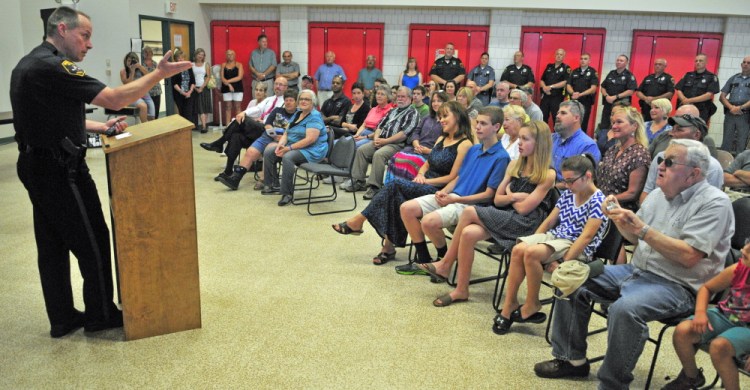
pixel 169 68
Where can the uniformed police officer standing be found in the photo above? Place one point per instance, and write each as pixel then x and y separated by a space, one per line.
pixel 48 91
pixel 518 74
pixel 618 86
pixel 552 85
pixel 735 96
pixel 698 88
pixel 447 68
pixel 484 76
pixel 657 85
pixel 582 85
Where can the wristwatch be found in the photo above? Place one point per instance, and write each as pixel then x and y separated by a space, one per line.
pixel 643 231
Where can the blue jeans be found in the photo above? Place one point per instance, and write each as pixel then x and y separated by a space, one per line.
pixel 364 133
pixel 637 297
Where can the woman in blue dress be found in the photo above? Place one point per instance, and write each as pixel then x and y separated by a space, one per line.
pixel 411 76
pixel 441 167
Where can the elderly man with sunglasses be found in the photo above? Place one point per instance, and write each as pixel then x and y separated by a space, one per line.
pixel 683 231
pixel 686 125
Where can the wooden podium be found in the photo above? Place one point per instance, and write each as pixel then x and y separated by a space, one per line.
pixel 152 199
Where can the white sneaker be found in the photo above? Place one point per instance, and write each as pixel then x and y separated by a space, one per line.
pixel 345 184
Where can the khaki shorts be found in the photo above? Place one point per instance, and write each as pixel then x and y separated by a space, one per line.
pixel 448 214
pixel 559 245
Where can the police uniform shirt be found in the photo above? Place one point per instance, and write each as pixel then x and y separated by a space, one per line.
pixel 48 93
pixel 654 85
pixel 482 76
pixel 448 70
pixel 519 76
pixel 553 75
pixel 581 80
pixel 737 89
pixel 696 84
pixel 617 83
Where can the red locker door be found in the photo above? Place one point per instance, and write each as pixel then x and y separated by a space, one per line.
pixel 352 43
pixel 540 43
pixel 427 43
pixel 678 48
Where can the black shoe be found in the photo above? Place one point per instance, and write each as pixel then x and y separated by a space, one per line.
pixel 501 324
pixel 557 368
pixel 268 190
pixel 61 330
pixel 220 175
pixel 356 186
pixel 115 321
pixel 497 249
pixel 212 147
pixel 683 382
pixel 204 130
pixel 285 200
pixel 233 182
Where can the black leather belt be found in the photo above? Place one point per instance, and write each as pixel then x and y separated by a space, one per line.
pixel 36 151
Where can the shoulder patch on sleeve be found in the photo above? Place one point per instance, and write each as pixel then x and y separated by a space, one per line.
pixel 72 68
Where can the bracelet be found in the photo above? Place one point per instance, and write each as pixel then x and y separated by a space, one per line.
pixel 643 232
pixel 290 147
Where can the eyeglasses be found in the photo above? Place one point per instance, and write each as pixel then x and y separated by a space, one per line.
pixel 571 181
pixel 746 62
pixel 304 99
pixel 514 98
pixel 669 162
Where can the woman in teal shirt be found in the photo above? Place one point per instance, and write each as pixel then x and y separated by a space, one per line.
pixel 305 140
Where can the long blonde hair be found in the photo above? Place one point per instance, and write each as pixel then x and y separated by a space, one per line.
pixel 634 118
pixel 541 160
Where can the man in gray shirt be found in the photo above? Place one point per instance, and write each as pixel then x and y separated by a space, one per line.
pixel 737 175
pixel 289 69
pixel 368 75
pixel 263 63
pixel 683 231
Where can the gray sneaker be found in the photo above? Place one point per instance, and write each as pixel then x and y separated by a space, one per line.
pixel 345 184
pixel 370 193
pixel 682 382
pixel 410 269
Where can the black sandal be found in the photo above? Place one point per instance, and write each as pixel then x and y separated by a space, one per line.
pixel 501 325
pixel 343 228
pixel 383 258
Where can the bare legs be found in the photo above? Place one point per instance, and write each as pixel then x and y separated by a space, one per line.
pixel 721 350
pixel 525 262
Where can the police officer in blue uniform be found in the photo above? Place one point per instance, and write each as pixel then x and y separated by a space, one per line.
pixel 657 85
pixel 552 85
pixel 698 88
pixel 735 96
pixel 48 93
pixel 618 86
pixel 484 75
pixel 448 68
pixel 518 74
pixel 582 85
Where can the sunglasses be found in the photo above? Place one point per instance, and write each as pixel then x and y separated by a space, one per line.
pixel 573 180
pixel 668 162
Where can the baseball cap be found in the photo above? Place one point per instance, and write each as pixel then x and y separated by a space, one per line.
pixel 572 274
pixel 307 77
pixel 687 120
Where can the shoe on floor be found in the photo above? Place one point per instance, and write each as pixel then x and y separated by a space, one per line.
pixel 683 382
pixel 233 182
pixel 356 186
pixel 221 175
pixel 446 300
pixel 115 321
pixel 370 193
pixel 410 269
pixel 330 179
pixel 557 368
pixel 268 190
pixel 345 184
pixel 211 147
pixel 61 330
pixel 258 186
pixel 285 200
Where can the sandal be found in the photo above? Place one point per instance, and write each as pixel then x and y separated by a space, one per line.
pixel 536 318
pixel 446 300
pixel 433 272
pixel 258 186
pixel 501 325
pixel 343 228
pixel 383 258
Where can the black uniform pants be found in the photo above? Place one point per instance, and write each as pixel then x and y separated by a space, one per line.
pixel 549 105
pixel 586 116
pixel 187 107
pixel 606 112
pixel 60 228
pixel 240 136
pixel 645 111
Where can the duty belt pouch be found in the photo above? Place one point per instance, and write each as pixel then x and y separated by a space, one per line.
pixel 73 155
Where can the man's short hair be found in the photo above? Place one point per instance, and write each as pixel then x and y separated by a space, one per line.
pixel 338 76
pixel 521 94
pixel 494 113
pixel 697 153
pixel 65 15
pixel 575 107
pixel 420 89
pixel 261 36
pixel 381 80
pixel 405 88
pixel 290 93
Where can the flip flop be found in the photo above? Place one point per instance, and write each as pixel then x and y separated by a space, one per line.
pixel 501 325
pixel 536 318
pixel 383 258
pixel 343 228
pixel 446 300
pixel 433 272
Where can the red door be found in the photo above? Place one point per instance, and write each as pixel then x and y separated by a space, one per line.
pixel 242 37
pixel 427 43
pixel 352 43
pixel 540 43
pixel 678 48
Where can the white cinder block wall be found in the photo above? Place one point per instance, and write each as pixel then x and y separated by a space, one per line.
pixel 505 32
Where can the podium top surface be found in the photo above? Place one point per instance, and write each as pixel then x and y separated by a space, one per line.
pixel 145 131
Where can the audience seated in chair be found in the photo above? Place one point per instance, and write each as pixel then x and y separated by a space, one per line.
pixel 355 116
pixel 441 168
pixel 522 201
pixel 382 107
pixel 683 230
pixel 572 231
